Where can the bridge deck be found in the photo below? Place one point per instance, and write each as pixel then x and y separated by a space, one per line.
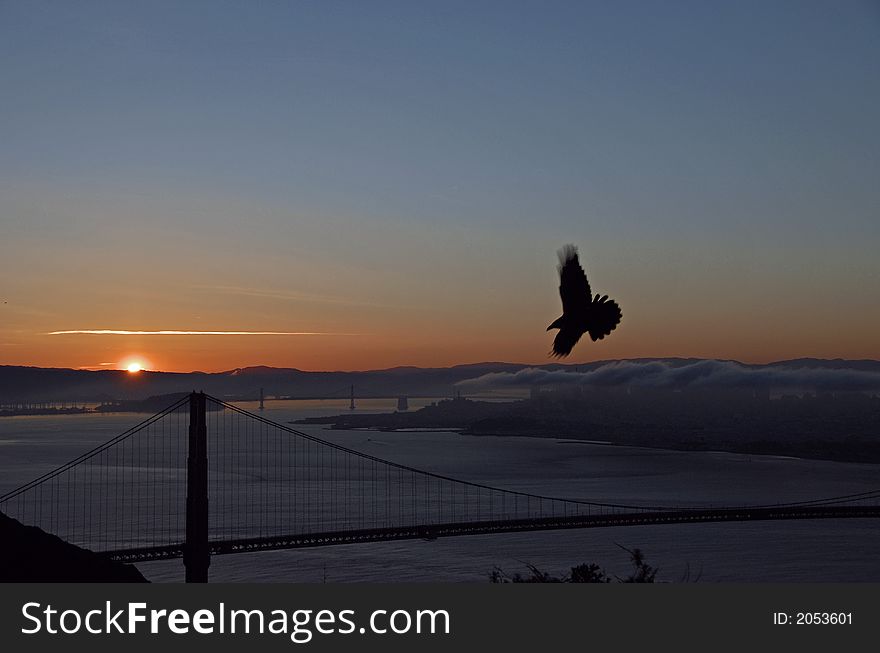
pixel 433 531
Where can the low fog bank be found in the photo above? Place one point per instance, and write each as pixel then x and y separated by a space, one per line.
pixel 701 373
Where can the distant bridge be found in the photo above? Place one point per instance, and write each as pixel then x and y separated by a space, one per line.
pixel 204 477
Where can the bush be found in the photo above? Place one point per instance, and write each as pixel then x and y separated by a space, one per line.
pixel 583 573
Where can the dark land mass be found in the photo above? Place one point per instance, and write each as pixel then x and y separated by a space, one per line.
pixel 30 555
pixel 43 410
pixel 841 426
pixel 154 404
pixel 36 384
pixel 46 384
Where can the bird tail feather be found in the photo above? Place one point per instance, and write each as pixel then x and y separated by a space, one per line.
pixel 606 317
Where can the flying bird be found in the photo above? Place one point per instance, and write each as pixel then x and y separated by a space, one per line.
pixel 581 312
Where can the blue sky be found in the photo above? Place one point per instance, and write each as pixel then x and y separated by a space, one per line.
pixel 718 165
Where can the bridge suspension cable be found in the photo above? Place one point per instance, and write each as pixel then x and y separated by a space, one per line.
pixel 272 486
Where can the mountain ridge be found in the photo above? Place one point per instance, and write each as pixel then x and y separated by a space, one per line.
pixel 31 383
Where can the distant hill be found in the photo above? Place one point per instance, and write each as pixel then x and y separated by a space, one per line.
pixel 53 384
pixel 50 384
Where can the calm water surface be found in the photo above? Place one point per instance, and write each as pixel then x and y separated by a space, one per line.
pixel 818 550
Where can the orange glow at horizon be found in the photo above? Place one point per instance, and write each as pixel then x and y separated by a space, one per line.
pixel 175 199
pixel 430 317
pixel 428 348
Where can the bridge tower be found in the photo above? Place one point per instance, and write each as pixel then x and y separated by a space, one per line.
pixel 196 555
pixel 351 403
pixel 262 405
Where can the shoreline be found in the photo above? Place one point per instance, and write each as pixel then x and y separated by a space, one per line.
pixel 769 448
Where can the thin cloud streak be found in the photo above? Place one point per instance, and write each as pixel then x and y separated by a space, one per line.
pixel 125 332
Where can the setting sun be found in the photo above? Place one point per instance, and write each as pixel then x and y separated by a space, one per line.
pixel 134 367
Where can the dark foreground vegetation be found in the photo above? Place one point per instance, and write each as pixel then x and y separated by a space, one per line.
pixel 642 572
pixel 30 555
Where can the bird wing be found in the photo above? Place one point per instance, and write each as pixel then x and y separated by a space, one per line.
pixel 565 341
pixel 605 315
pixel 574 289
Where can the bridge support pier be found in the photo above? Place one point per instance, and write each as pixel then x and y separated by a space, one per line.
pixel 196 555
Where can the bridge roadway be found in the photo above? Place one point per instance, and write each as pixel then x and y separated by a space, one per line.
pixel 433 531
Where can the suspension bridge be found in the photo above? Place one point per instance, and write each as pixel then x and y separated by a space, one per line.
pixel 205 477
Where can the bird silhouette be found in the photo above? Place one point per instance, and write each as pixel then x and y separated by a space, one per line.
pixel 581 312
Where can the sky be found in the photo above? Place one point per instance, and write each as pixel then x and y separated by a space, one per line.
pixel 387 183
